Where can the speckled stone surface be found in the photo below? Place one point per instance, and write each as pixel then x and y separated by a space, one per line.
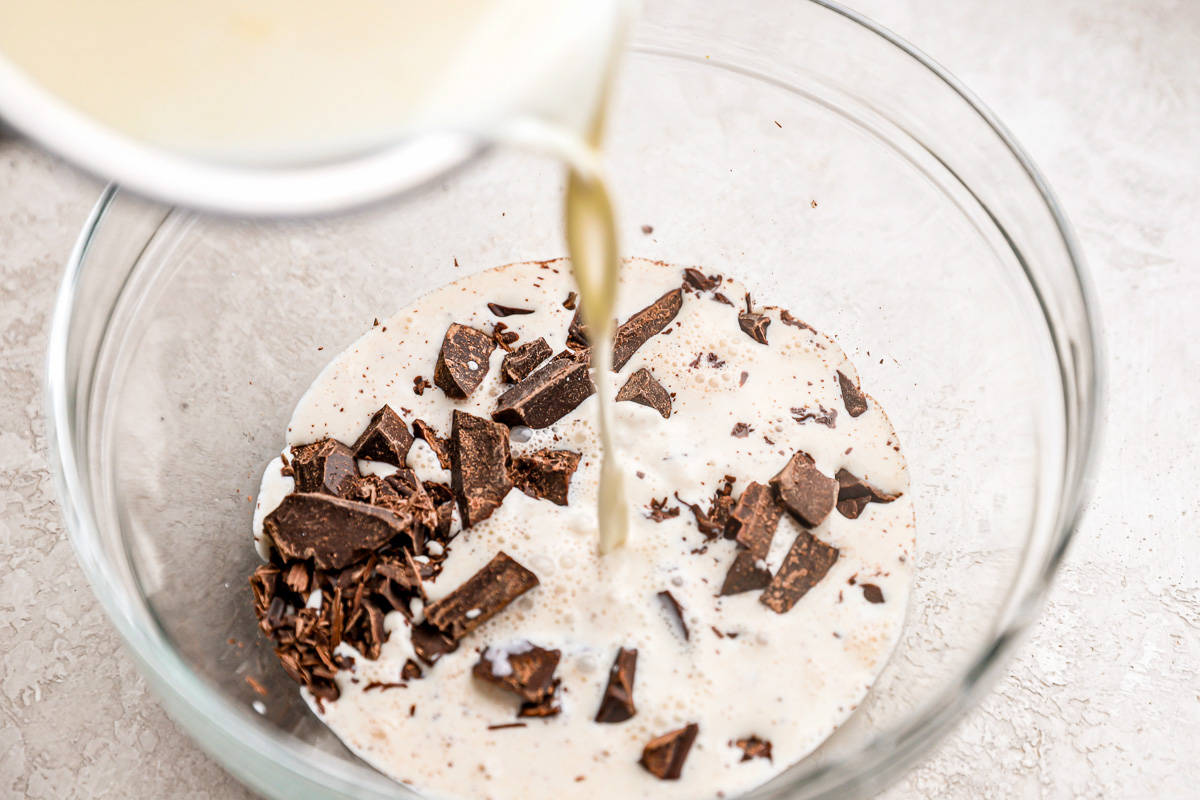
pixel 1103 700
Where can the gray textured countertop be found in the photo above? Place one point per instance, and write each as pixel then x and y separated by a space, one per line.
pixel 1103 700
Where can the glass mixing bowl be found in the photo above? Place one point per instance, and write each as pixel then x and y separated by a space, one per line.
pixel 794 145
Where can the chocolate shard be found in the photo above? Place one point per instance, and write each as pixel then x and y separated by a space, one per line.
pixel 423 430
pixel 746 574
pixel 754 747
pixel 697 280
pixel 663 757
pixel 479 464
pixel 643 388
pixel 754 519
pixel 569 303
pixel 806 563
pixel 786 318
pixel 326 466
pixel 754 325
pixel 549 394
pixel 638 329
pixel 481 597
pixel 443 506
pixel 404 571
pixel 507 311
pixel 385 439
pixel 852 396
pixel 526 670
pixel 518 364
pixel 547 707
pixel 546 474
pixel 854 493
pixel 674 611
pixel 804 490
pixel 577 332
pixel 617 703
pixel 332 531
pixel 430 644
pixel 463 360
pixel 872 593
pixel 411 671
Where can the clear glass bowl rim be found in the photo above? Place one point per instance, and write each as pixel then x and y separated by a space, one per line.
pixel 205 714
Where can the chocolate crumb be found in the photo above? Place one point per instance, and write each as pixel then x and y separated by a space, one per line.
pixel 852 396
pixel 383 687
pixel 695 279
pixel 674 610
pixel 569 303
pixel 872 593
pixel 741 430
pixel 647 229
pixel 262 690
pixel 664 756
pixel 420 385
pixel 754 747
pixel 411 671
pixel 659 510
pixel 507 311
pixel 696 361
pixel 462 347
pixel 643 388
pixel 617 703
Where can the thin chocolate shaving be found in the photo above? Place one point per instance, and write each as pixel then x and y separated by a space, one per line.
pixel 804 490
pixel 506 725
pixel 617 703
pixel 822 416
pixel 503 337
pixel 643 388
pixel 332 531
pixel 518 364
pixel 507 311
pixel 546 474
pixel 325 466
pixel 480 597
pixel 663 757
pixel 638 329
pixel 852 396
pixel 461 347
pixel 674 610
pixel 439 446
pixel 479 465
pixel 659 510
pixel 786 318
pixel 806 563
pixel 386 438
pixel 420 384
pixel 549 394
pixel 577 332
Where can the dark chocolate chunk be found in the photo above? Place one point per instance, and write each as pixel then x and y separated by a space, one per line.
pixel 332 531
pixel 404 571
pixel 430 644
pixel 517 365
pixel 852 396
pixel 805 564
pixel 643 388
pixel 647 229
pixel 480 597
pixel 821 416
pixel 638 329
pixel 577 332
pixel 674 611
pixel 659 510
pixel 549 394
pixel 663 757
pixel 462 347
pixel 854 493
pixel 326 466
pixel 754 747
pixel 697 280
pixel 507 311
pixel 754 325
pixel 527 673
pixel 754 519
pixel 872 592
pixel 741 431
pixel 423 430
pixel 746 573
pixel 617 703
pixel 385 439
pixel 545 474
pixel 804 490
pixel 479 464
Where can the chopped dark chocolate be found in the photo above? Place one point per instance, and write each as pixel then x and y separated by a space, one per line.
pixel 549 394
pixel 480 597
pixel 443 506
pixel 547 707
pixel 674 611
pixel 506 726
pixel 326 466
pixel 332 531
pixel 526 672
pixel 638 329
pixel 577 332
pixel 754 519
pixel 806 563
pixel 463 360
pixel 754 325
pixel 872 593
pixel 741 430
pixel 786 318
pixel 430 644
pixel 518 364
pixel 411 671
pixel 503 337
pixel 852 396
pixel 420 384
pixel 617 703
pixel 385 439
pixel 507 311
pixel 479 464
pixel 721 298
pixel 754 747
pixel 697 280
pixel 746 574
pixel 821 416
pixel 804 490
pixel 854 493
pixel 659 510
pixel 569 303
pixel 663 757
pixel 644 389
pixel 545 474
pixel 439 446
